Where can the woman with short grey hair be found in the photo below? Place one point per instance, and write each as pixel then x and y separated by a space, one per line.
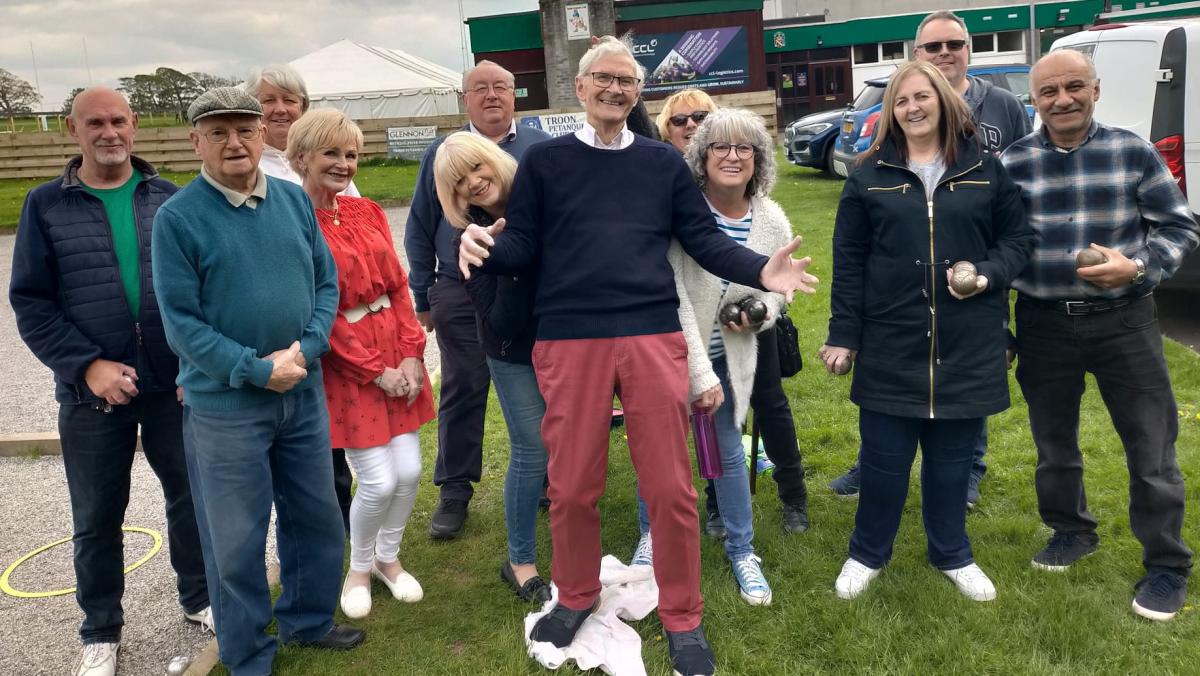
pixel 281 92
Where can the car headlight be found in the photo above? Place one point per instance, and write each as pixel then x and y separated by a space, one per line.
pixel 813 129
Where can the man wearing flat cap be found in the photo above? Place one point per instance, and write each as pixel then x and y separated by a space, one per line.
pixel 248 292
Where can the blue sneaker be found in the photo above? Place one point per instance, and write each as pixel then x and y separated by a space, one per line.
pixel 752 584
pixel 644 554
pixel 973 490
pixel 847 484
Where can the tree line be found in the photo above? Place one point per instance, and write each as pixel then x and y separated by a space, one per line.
pixel 166 91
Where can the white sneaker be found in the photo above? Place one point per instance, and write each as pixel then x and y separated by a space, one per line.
pixel 98 659
pixel 972 582
pixel 854 579
pixel 204 618
pixel 356 601
pixel 405 588
pixel 644 554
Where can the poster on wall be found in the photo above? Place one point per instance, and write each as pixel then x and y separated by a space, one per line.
pixel 708 58
pixel 578 26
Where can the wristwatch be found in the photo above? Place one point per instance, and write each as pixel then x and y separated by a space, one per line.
pixel 1140 275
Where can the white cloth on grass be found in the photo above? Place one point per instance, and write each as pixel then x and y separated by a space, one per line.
pixel 604 641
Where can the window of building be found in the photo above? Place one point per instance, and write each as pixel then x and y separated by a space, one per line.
pixel 868 53
pixel 983 43
pixel 892 51
pixel 1010 41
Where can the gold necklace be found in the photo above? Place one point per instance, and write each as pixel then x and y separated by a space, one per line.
pixel 334 212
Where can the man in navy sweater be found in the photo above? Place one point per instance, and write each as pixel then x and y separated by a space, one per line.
pixel 84 304
pixel 443 306
pixel 595 211
pixel 248 291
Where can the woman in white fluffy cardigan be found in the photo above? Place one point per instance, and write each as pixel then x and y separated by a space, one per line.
pixel 733 159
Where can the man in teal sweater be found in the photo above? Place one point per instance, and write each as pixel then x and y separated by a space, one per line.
pixel 248 292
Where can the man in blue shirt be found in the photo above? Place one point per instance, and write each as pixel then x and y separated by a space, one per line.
pixel 443 306
pixel 1091 187
pixel 248 292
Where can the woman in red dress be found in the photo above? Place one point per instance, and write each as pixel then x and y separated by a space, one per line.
pixel 375 381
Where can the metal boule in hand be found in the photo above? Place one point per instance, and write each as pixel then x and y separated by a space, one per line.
pixel 1088 257
pixel 962 278
pixel 730 314
pixel 755 309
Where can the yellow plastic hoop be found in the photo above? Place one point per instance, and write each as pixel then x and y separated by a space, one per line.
pixel 8 589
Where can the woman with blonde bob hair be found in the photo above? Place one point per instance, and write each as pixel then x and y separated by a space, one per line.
pixel 473 178
pixel 928 356
pixel 681 114
pixel 376 387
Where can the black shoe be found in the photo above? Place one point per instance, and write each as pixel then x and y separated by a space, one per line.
pixel 535 589
pixel 795 518
pixel 560 625
pixel 714 527
pixel 340 637
pixel 846 485
pixel 1063 549
pixel 1160 594
pixel 448 519
pixel 690 653
pixel 973 490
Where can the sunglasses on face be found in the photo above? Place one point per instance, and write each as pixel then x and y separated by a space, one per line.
pixel 935 47
pixel 696 116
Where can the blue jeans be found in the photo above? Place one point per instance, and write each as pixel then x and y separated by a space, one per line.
pixel 889 446
pixel 240 462
pixel 98 452
pixel 733 488
pixel 523 408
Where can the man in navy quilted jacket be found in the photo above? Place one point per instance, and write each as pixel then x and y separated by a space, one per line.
pixel 84 302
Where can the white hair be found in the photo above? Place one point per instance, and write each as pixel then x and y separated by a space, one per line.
pixel 512 79
pixel 278 75
pixel 610 46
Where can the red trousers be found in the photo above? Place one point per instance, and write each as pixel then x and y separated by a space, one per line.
pixel 577 379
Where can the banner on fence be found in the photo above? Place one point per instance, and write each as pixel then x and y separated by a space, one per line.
pixel 708 58
pixel 556 125
pixel 409 142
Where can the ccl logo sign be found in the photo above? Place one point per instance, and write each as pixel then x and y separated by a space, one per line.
pixel 645 49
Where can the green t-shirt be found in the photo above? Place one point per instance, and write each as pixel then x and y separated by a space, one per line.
pixel 118 205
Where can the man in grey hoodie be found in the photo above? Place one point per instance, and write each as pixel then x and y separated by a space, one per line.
pixel 942 40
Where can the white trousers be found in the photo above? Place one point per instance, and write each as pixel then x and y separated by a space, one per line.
pixel 388 477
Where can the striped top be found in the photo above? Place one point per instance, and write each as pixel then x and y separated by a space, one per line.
pixel 739 230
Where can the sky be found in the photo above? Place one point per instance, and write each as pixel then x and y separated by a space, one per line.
pixel 221 37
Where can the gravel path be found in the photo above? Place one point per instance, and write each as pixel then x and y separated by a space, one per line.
pixel 40 636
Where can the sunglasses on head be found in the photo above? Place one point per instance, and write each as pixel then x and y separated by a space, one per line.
pixel 681 119
pixel 952 45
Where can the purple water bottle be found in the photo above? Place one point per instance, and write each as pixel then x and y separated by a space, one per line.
pixel 708 452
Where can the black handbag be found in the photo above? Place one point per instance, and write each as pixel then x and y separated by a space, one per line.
pixel 788 341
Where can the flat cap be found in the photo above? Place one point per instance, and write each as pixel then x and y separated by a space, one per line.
pixel 223 101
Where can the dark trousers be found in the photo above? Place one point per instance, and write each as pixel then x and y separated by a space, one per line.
pixel 343 482
pixel 1122 348
pixel 774 416
pixel 98 453
pixel 465 382
pixel 889 446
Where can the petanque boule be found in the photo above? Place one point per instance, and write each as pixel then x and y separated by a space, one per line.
pixel 755 309
pixel 730 314
pixel 963 278
pixel 1088 257
pixel 843 366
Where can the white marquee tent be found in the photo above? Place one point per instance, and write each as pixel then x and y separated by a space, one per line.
pixel 368 82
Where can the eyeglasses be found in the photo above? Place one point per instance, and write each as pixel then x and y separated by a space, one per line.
pixel 625 82
pixel 221 136
pixel 936 47
pixel 696 116
pixel 743 151
pixel 500 88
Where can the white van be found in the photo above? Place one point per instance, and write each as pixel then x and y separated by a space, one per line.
pixel 1143 70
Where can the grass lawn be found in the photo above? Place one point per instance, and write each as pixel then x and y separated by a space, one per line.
pixel 389 183
pixel 912 621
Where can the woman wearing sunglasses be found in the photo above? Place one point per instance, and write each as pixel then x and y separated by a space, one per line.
pixel 929 359
pixel 681 115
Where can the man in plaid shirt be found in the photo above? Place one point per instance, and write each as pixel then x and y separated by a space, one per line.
pixel 1088 185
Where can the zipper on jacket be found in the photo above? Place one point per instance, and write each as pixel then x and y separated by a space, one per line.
pixel 954 183
pixel 903 188
pixel 137 332
pixel 933 335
